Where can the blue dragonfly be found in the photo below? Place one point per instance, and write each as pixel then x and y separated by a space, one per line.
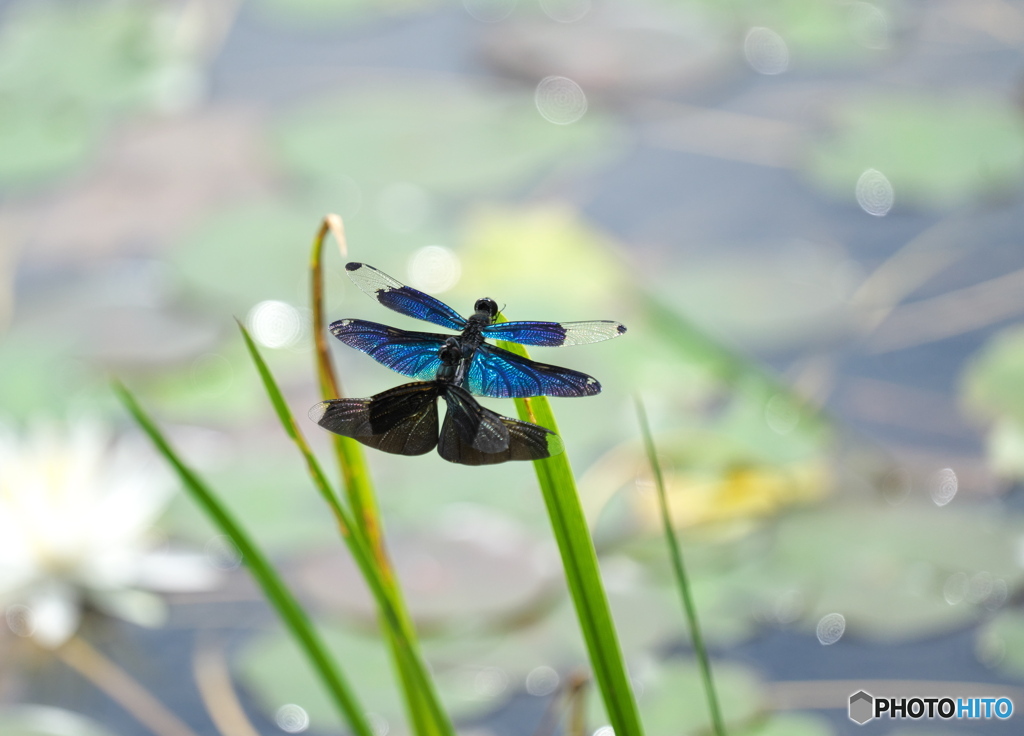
pixel 485 370
pixel 403 421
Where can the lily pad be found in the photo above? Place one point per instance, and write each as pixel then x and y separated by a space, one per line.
pixel 672 700
pixel 209 388
pixel 1005 443
pixel 644 620
pixel 274 670
pixel 259 251
pixel 897 572
pixel 478 669
pixel 765 295
pixel 818 34
pixel 37 144
pixel 733 586
pixel 993 383
pixel 473 571
pixel 891 573
pixel 269 492
pixel 649 615
pixel 249 253
pixel 642 47
pixel 1000 642
pixel 931 152
pixel 482 140
pixel 110 58
pixel 42 375
pixel 993 388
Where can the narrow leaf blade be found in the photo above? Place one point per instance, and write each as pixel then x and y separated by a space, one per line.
pixel 558 486
pixel 280 597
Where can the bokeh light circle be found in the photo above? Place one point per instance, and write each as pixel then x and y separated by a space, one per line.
pixel 19 620
pixel 275 324
pixel 434 269
pixel 292 718
pixel 875 194
pixel 222 553
pixel 766 51
pixel 831 628
pixel 560 100
pixel 541 681
pixel 870 26
pixel 490 682
pixel 943 487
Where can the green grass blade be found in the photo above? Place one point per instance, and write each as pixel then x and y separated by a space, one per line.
pixel 355 474
pixel 411 661
pixel 352 464
pixel 292 614
pixel 579 559
pixel 329 387
pixel 682 581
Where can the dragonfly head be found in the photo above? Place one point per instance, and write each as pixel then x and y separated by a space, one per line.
pixel 487 306
pixel 450 353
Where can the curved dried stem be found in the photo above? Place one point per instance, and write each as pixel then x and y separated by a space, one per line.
pixel 121 687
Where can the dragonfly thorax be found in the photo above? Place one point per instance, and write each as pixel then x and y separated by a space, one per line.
pixel 485 310
pixel 451 356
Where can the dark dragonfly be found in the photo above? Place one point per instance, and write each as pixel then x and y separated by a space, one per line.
pixel 486 370
pixel 403 421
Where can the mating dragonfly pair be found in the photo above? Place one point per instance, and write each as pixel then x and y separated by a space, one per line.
pixel 404 420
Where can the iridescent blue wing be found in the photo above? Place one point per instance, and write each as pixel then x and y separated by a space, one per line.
pixel 555 334
pixel 524 441
pixel 410 353
pixel 404 299
pixel 402 421
pixel 504 375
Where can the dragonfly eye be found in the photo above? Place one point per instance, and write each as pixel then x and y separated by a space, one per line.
pixel 487 305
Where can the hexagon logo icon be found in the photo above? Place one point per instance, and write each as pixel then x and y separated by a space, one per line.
pixel 862 707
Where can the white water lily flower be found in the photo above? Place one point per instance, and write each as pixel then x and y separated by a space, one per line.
pixel 76 514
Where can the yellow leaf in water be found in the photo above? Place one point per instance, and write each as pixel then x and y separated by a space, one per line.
pixel 740 493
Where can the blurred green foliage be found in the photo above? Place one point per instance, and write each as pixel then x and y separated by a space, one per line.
pixel 35 720
pixel 993 390
pixel 817 34
pixel 65 70
pixel 935 152
pixel 412 159
pixel 1000 642
pixel 454 141
pixel 337 13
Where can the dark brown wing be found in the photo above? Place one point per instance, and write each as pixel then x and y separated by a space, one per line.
pixel 402 420
pixel 525 441
pixel 477 427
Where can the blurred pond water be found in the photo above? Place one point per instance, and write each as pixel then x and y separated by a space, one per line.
pixel 820 195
